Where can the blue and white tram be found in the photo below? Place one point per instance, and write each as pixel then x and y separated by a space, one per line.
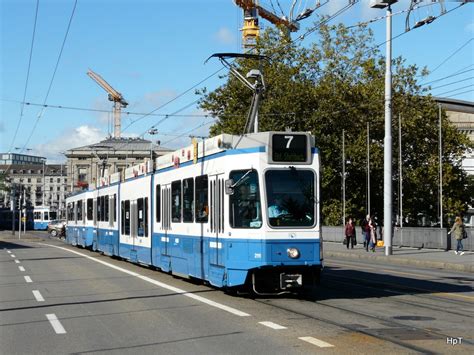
pixel 80 223
pixel 41 217
pixel 106 237
pixel 232 210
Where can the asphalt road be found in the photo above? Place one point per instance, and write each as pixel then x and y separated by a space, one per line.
pixel 59 299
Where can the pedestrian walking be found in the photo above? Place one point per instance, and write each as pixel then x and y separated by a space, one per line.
pixel 372 242
pixel 458 231
pixel 363 226
pixel 350 233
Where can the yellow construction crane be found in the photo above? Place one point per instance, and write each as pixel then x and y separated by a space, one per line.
pixel 114 96
pixel 252 10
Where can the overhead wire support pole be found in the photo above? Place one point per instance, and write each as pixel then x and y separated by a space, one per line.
pixel 440 169
pixel 387 179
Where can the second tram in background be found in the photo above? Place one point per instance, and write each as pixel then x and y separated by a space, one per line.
pixel 235 211
pixel 42 216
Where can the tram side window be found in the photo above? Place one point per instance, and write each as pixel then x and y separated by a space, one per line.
pixel 46 215
pixel 79 210
pixel 176 201
pixel 99 210
pixel 102 209
pixel 70 212
pixel 142 208
pixel 37 215
pixel 115 207
pixel 126 217
pixel 52 215
pixel 202 204
pixel 188 200
pixel 158 203
pixel 106 208
pixel 244 205
pixel 90 209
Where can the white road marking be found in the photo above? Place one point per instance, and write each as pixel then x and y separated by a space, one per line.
pixel 9 252
pixel 56 324
pixel 38 296
pixel 21 268
pixel 28 279
pixel 13 255
pixel 272 325
pixel 317 342
pixel 17 261
pixel 159 284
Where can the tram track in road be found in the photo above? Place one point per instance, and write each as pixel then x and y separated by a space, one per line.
pixel 432 294
pixel 368 288
pixel 405 303
pixel 408 291
pixel 349 327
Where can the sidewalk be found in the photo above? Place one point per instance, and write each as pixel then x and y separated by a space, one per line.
pixel 424 258
pixel 30 236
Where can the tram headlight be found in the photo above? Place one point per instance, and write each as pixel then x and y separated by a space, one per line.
pixel 293 253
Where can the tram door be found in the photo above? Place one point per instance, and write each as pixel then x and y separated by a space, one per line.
pixel 216 211
pixel 165 218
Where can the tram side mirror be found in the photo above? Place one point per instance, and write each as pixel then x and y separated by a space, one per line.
pixel 229 189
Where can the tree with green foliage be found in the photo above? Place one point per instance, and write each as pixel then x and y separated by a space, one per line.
pixel 336 84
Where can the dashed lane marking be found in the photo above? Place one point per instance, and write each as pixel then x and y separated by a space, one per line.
pixel 28 279
pixel 38 296
pixel 21 268
pixel 158 283
pixel 9 252
pixel 17 261
pixel 56 324
pixel 272 325
pixel 317 342
pixel 13 255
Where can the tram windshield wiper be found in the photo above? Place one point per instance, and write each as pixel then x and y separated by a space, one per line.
pixel 230 185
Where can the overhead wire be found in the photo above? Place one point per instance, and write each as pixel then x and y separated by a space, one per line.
pixel 460 93
pixel 450 56
pixel 314 28
pixel 174 99
pixel 454 82
pixel 461 88
pixel 446 77
pixel 53 76
pixel 27 77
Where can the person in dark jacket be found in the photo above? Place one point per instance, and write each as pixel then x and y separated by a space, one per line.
pixel 363 226
pixel 350 233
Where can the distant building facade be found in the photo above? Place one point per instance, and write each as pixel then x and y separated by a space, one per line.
pixel 88 163
pixel 42 184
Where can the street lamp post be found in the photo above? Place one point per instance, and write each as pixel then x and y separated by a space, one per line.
pixel 387 178
pixel 343 181
pixel 368 169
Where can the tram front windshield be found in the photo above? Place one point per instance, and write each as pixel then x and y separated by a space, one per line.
pixel 290 197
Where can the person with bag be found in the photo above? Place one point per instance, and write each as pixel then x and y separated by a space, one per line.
pixel 350 233
pixel 363 226
pixel 458 231
pixel 372 239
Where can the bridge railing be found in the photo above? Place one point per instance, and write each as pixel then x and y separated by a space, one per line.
pixel 415 237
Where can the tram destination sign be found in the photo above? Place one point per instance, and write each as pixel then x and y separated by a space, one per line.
pixel 289 148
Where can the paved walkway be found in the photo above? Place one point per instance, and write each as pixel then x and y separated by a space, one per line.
pixel 425 258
